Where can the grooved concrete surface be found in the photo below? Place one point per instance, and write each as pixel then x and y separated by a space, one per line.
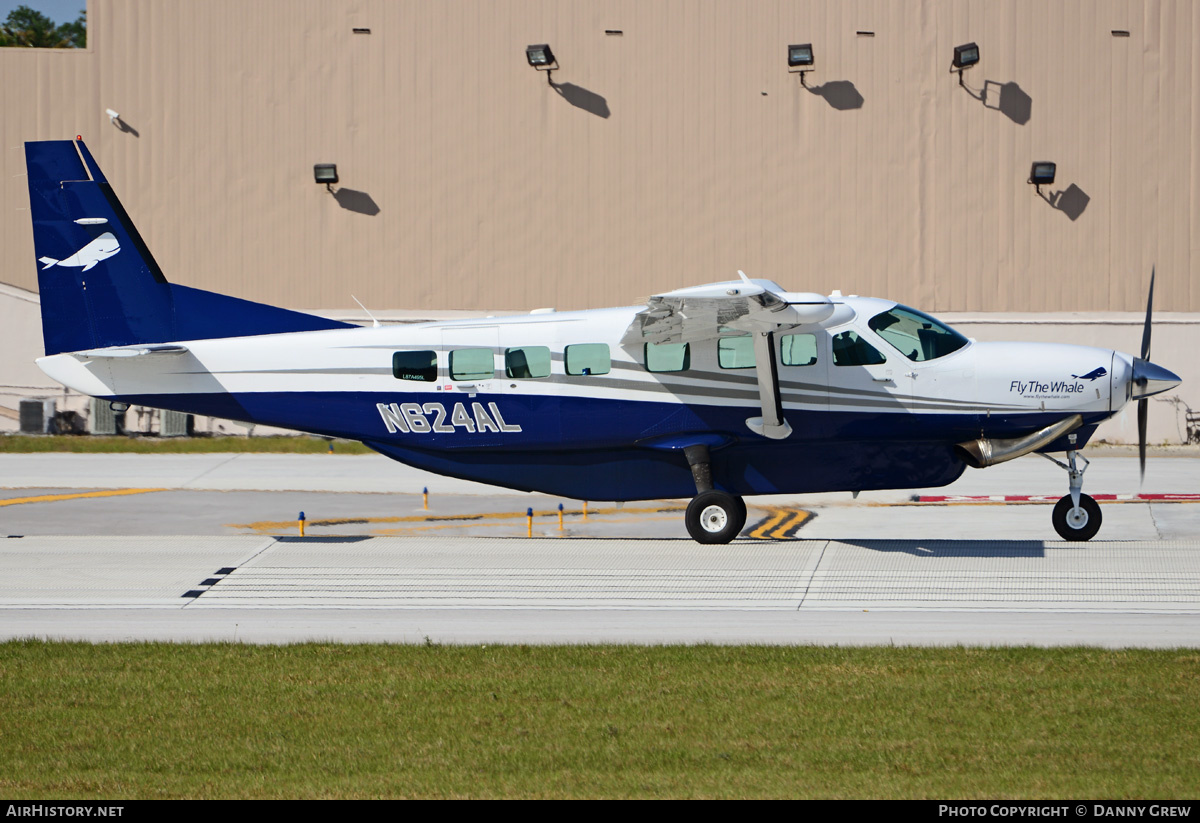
pixel 265 589
pixel 372 570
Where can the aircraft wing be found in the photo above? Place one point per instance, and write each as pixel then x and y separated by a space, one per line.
pixel 735 307
pixel 756 307
pixel 153 349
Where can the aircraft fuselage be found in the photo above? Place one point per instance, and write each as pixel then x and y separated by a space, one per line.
pixel 613 431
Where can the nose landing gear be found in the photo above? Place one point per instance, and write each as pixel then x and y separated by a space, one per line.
pixel 1077 522
pixel 1076 516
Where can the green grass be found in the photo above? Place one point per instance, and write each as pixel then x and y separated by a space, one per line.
pixel 150 720
pixel 86 444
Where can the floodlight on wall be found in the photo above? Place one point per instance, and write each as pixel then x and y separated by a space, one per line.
pixel 325 173
pixel 800 60
pixel 965 56
pixel 541 58
pixel 1042 174
pixel 113 116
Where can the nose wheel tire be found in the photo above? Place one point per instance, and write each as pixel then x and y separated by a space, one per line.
pixel 1077 524
pixel 715 517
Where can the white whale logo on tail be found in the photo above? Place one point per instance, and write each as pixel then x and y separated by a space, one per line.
pixel 102 248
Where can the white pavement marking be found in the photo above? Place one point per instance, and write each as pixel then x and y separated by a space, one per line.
pixel 459 572
pixel 73 572
pixel 588 590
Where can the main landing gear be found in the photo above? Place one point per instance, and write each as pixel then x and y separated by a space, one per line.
pixel 1076 516
pixel 713 516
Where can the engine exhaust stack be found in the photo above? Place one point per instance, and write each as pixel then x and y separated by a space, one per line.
pixel 984 452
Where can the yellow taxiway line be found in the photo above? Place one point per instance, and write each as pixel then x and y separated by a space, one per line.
pixel 51 498
pixel 464 519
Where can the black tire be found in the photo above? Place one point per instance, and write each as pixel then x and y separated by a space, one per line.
pixel 715 517
pixel 1079 528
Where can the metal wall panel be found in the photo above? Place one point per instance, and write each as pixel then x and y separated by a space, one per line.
pixel 670 155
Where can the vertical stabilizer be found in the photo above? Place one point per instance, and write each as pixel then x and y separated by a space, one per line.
pixel 99 284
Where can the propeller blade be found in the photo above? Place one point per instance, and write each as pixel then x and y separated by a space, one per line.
pixel 1143 406
pixel 1146 328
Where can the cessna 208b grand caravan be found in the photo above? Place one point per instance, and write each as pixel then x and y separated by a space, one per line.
pixel 711 392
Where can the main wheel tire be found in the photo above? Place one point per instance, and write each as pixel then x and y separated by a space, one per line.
pixel 741 512
pixel 1077 524
pixel 715 517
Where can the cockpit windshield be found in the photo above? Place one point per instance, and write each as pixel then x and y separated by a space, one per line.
pixel 915 335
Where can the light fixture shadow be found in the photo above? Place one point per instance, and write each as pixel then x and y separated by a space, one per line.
pixel 1071 201
pixel 582 98
pixel 356 201
pixel 839 94
pixel 1007 98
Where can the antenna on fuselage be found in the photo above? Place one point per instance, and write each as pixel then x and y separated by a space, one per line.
pixel 374 322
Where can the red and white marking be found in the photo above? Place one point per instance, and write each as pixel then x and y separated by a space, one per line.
pixel 1053 498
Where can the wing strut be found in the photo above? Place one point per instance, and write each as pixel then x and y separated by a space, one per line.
pixel 771 424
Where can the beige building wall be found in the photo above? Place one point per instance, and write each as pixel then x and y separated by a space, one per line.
pixel 668 155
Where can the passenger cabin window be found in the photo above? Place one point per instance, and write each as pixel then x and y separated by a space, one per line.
pixel 798 349
pixel 851 350
pixel 915 335
pixel 735 352
pixel 415 365
pixel 472 364
pixel 668 357
pixel 527 362
pixel 588 358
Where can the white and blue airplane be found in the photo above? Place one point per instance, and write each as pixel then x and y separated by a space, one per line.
pixel 711 392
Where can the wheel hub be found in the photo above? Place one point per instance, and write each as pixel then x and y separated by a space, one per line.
pixel 1077 517
pixel 713 519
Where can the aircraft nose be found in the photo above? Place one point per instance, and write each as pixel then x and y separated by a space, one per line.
pixel 1149 379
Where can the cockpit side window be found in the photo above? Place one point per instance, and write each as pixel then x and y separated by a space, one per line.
pixel 916 335
pixel 851 350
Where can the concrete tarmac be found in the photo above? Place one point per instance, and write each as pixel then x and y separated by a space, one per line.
pixel 376 566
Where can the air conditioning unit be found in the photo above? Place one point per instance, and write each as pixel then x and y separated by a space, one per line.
pixel 175 424
pixel 36 416
pixel 103 419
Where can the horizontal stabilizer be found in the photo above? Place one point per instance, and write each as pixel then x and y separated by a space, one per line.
pixel 131 351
